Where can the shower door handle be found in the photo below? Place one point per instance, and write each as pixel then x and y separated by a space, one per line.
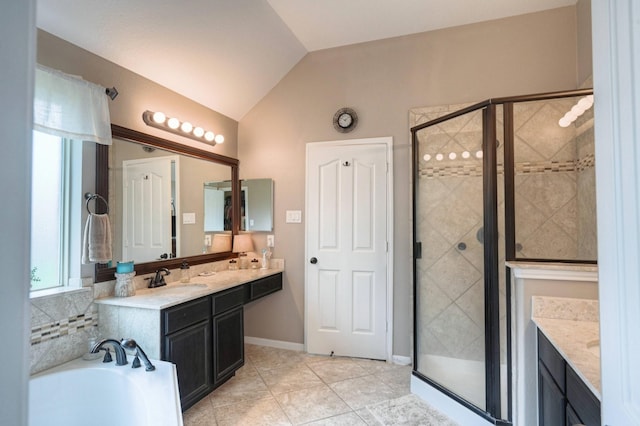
pixel 313 260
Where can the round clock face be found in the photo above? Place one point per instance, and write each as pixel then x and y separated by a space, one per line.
pixel 345 120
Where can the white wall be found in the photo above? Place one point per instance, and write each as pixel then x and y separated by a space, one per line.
pixel 17 54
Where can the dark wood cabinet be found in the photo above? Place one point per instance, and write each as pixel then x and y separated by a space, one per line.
pixel 563 398
pixel 551 400
pixel 204 337
pixel 228 344
pixel 189 349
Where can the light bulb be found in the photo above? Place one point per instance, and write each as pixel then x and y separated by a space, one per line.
pixel 479 154
pixel 186 127
pixel 198 131
pixel 439 157
pixel 585 103
pixel 466 154
pixel 209 136
pixel 453 156
pixel 426 157
pixel 571 115
pixel 159 117
pixel 564 122
pixel 173 123
pixel 219 139
pixel 577 110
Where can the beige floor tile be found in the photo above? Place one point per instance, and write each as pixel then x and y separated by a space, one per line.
pixel 408 410
pixel 373 366
pixel 333 370
pixel 201 414
pixel 311 404
pixel 288 379
pixel 348 419
pixel 399 378
pixel 265 412
pixel 264 360
pixel 239 389
pixel 362 391
pixel 247 370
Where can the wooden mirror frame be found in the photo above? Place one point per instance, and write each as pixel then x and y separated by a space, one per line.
pixel 105 273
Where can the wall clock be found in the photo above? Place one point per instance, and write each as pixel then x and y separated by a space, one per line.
pixel 345 120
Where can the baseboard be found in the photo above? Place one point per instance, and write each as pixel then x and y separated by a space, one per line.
pixel 280 344
pixel 401 360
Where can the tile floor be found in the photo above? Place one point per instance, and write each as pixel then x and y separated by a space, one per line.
pixel 283 387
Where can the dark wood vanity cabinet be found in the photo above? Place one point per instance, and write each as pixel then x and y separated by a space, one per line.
pixel 563 398
pixel 204 338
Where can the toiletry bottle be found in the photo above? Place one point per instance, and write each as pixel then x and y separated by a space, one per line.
pixel 184 272
pixel 233 265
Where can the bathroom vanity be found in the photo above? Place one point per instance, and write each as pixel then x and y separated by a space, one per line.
pixel 197 326
pixel 568 361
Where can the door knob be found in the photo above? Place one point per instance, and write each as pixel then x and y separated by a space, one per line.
pixel 313 260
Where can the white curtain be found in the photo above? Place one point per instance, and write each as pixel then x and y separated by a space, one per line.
pixel 70 107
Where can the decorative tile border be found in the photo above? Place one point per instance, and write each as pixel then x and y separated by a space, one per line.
pixel 64 327
pixel 526 167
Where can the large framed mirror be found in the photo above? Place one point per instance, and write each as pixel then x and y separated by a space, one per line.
pixel 156 202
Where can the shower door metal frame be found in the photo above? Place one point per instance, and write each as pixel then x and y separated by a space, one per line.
pixel 491 258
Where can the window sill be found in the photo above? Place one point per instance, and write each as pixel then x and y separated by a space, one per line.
pixel 58 291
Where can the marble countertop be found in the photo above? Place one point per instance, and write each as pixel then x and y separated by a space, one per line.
pixel 175 293
pixel 572 326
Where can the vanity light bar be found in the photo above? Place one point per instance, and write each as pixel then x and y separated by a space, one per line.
pixel 576 111
pixel 159 120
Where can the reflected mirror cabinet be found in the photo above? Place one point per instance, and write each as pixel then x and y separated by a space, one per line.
pixel 154 188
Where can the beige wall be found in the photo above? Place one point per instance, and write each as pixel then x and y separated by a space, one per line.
pixel 382 80
pixel 137 94
pixel 585 55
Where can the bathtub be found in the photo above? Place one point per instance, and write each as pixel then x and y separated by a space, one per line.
pixel 84 392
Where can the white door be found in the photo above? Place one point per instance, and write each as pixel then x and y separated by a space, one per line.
pixel 346 245
pixel 146 203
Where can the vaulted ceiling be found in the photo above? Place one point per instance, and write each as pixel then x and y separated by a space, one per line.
pixel 228 54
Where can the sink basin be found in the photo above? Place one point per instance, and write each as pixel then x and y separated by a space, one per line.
pixel 180 288
pixel 594 347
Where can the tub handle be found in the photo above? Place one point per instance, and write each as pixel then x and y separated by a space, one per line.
pixel 107 355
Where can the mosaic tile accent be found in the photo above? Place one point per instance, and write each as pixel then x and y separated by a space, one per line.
pixel 63 327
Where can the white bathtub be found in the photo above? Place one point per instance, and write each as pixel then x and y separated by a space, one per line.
pixel 92 393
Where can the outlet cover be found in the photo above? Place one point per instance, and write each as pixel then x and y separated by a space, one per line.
pixel 207 240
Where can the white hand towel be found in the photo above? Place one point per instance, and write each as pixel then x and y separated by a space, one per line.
pixel 96 246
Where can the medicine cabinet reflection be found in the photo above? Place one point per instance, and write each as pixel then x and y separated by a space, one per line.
pixel 256 205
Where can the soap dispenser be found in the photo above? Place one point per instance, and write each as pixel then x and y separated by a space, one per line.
pixel 184 272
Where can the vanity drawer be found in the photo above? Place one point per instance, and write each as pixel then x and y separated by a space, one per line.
pixel 181 316
pixel 264 286
pixel 228 299
pixel 552 360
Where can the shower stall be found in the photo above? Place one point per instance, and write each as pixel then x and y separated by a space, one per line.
pixel 502 180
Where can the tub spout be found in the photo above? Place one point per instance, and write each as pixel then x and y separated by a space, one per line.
pixel 131 344
pixel 121 356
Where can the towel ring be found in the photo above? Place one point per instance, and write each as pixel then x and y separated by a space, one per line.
pixel 89 196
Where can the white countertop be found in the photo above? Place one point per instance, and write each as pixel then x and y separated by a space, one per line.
pixel 571 325
pixel 175 293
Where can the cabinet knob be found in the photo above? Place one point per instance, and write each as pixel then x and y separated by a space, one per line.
pixel 313 260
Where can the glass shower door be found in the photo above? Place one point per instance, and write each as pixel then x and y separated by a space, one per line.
pixel 450 276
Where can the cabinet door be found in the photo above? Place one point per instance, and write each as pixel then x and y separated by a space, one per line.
pixel 572 417
pixel 189 349
pixel 228 344
pixel 551 400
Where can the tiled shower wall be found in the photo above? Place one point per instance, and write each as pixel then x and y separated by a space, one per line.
pixel 555 214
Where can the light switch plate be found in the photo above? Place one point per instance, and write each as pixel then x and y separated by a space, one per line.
pixel 270 241
pixel 188 218
pixel 294 216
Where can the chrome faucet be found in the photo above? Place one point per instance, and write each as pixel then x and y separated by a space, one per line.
pixel 131 344
pixel 158 279
pixel 121 355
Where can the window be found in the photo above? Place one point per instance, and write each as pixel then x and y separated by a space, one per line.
pixel 55 164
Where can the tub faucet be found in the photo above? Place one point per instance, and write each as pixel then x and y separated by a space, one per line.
pixel 131 344
pixel 121 355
